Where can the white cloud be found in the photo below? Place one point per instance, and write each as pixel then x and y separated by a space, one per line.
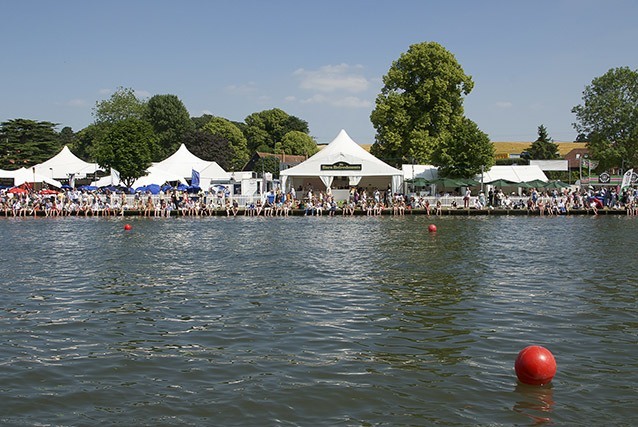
pixel 290 98
pixel 347 102
pixel 76 103
pixel 105 91
pixel 243 88
pixel 504 104
pixel 332 78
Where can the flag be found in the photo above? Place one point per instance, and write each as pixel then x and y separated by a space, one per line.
pixel 115 177
pixel 72 180
pixel 626 179
pixel 194 178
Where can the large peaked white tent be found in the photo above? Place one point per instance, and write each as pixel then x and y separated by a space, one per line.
pixel 347 161
pixel 64 164
pixel 183 162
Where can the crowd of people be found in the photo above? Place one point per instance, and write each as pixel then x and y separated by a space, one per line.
pixel 374 202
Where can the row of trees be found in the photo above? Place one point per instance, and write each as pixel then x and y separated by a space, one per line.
pixel 418 118
pixel 128 133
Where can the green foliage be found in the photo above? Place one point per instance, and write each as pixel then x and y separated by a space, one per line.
pixel 297 143
pixel 464 152
pixel 122 105
pixel 608 118
pixel 25 142
pixel 225 129
pixel 170 120
pixel 67 137
pixel 270 126
pixel 211 147
pixel 508 162
pixel 127 146
pixel 543 148
pixel 419 105
pixel 267 164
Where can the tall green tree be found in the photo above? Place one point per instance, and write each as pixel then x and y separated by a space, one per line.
pixel 464 152
pixel 543 148
pixel 25 143
pixel 211 147
pixel 420 104
pixel 608 117
pixel 123 104
pixel 297 143
pixel 225 129
pixel 127 146
pixel 170 120
pixel 270 126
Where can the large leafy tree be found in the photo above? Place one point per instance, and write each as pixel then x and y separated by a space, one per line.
pixel 123 104
pixel 225 129
pixel 170 120
pixel 420 104
pixel 464 151
pixel 127 146
pixel 543 148
pixel 25 142
pixel 211 147
pixel 296 142
pixel 269 127
pixel 608 117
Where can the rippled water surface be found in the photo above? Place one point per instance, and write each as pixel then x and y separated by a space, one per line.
pixel 316 321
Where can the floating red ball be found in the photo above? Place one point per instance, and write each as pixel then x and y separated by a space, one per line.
pixel 535 365
pixel 432 228
pixel 127 227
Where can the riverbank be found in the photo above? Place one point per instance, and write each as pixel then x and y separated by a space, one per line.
pixel 358 212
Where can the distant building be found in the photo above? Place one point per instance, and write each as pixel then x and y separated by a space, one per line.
pixel 286 161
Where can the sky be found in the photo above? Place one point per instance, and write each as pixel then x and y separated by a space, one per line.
pixel 321 61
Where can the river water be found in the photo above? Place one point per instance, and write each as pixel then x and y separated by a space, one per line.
pixel 307 321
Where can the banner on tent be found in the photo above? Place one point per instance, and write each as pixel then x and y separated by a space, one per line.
pixel 341 166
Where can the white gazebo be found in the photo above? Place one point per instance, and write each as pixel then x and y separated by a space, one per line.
pixel 183 163
pixel 64 164
pixel 340 165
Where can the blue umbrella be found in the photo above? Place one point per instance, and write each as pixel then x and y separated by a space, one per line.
pixel 182 187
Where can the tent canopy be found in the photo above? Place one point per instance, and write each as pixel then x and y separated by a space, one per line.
pixel 343 158
pixel 65 163
pixel 183 162
pixel 513 174
pixel 23 175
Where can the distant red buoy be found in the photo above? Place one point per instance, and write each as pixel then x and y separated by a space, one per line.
pixel 127 227
pixel 535 365
pixel 432 228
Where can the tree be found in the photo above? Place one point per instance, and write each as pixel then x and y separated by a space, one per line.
pixel 123 104
pixel 270 126
pixel 464 152
pixel 419 105
pixel 543 148
pixel 25 142
pixel 127 146
pixel 170 120
pixel 297 143
pixel 211 147
pixel 223 128
pixel 609 118
pixel 67 136
pixel 268 164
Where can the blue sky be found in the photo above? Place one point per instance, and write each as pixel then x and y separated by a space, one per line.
pixel 321 61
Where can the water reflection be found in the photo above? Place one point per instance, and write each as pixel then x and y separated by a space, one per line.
pixel 536 402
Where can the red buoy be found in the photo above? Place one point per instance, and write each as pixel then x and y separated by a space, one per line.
pixel 127 227
pixel 535 365
pixel 432 228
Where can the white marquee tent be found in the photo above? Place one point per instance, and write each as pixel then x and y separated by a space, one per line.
pixel 345 163
pixel 183 162
pixel 23 175
pixel 514 173
pixel 65 163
